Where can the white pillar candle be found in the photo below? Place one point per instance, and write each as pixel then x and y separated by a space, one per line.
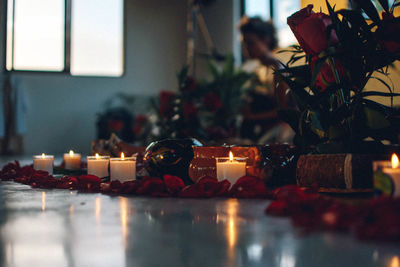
pixel 387 177
pixel 72 160
pixel 231 168
pixel 98 165
pixel 43 163
pixel 123 169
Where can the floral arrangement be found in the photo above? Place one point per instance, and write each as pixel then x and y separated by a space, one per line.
pixel 343 50
pixel 206 110
pixel 121 121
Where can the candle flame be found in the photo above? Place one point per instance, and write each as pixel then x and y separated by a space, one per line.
pixel 230 156
pixel 122 155
pixel 395 161
pixel 43 155
pixel 71 153
pixel 97 156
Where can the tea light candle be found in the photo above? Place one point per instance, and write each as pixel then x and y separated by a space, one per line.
pixel 98 165
pixel 231 168
pixel 123 169
pixel 387 177
pixel 43 163
pixel 72 160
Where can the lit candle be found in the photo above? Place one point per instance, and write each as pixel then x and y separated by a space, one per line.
pixel 72 160
pixel 43 163
pixel 387 177
pixel 231 168
pixel 123 169
pixel 98 165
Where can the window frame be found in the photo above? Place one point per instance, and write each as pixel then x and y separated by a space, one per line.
pixel 270 11
pixel 67 43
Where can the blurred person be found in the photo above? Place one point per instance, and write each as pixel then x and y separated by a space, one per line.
pixel 260 114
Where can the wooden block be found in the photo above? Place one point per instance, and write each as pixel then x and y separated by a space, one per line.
pixel 342 171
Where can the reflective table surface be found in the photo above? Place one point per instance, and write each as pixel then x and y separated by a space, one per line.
pixel 65 228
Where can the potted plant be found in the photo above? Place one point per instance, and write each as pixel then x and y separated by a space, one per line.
pixel 342 51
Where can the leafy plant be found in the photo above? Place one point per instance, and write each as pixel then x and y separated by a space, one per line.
pixel 335 113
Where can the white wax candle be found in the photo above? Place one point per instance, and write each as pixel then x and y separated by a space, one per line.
pixel 123 169
pixel 72 160
pixel 98 165
pixel 43 163
pixel 230 168
pixel 395 176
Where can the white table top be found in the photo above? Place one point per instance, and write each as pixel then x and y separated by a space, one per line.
pixel 62 228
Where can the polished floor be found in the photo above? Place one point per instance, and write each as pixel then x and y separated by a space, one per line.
pixel 58 228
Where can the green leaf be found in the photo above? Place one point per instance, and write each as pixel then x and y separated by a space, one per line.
pixel 369 9
pixel 384 4
pixel 213 69
pixel 316 125
pixel 376 93
pixel 229 66
pixel 375 119
pixel 317 68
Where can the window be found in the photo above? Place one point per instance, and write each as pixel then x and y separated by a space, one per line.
pixel 279 10
pixel 76 37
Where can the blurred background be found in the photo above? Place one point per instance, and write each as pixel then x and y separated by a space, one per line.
pixel 73 70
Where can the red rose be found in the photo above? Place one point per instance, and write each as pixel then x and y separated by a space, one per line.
pixel 189 110
pixel 206 187
pixel 115 125
pixel 310 30
pixel 152 186
pixel 173 184
pixel 326 76
pixel 166 101
pixel 212 101
pixel 387 33
pixel 249 187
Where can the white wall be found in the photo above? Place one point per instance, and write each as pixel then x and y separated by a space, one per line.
pixel 222 19
pixel 63 109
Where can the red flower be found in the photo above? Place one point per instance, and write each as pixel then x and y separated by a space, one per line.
pixel 115 125
pixel 151 186
pixel 205 187
pixel 387 33
pixel 89 183
pixel 277 208
pixel 189 110
pixel 141 119
pixel 326 75
pixel 173 184
pixel 190 84
pixel 310 29
pixel 249 187
pixel 166 101
pixel 212 102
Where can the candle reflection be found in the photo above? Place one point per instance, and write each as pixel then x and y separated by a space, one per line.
pixel 232 227
pixel 124 218
pixel 395 262
pixel 98 209
pixel 71 210
pixel 43 201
